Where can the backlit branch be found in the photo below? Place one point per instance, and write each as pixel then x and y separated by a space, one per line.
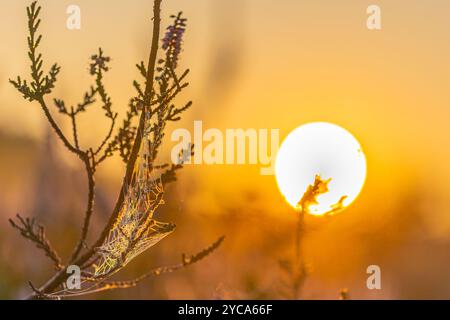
pixel 185 262
pixel 36 233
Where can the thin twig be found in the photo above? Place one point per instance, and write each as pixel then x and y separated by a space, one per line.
pixel 137 143
pixel 299 267
pixel 36 233
pixel 185 262
pixel 90 205
pixel 58 131
pixel 74 128
pixel 61 276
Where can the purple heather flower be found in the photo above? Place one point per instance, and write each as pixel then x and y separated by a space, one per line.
pixel 173 38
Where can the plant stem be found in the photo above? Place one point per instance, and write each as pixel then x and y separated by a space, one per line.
pixel 58 131
pixel 298 258
pixel 90 206
pixel 137 142
pixel 61 276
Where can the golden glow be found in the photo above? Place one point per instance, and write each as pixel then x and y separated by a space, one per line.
pixel 325 150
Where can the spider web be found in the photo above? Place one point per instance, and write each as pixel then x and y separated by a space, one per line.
pixel 135 229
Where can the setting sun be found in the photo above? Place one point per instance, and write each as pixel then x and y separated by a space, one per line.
pixel 325 153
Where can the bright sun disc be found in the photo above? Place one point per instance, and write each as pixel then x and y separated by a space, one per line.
pixel 326 150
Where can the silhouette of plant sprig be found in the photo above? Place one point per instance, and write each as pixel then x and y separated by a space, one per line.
pixel 36 233
pixel 129 230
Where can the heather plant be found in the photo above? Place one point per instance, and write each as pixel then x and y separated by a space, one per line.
pixel 296 268
pixel 131 228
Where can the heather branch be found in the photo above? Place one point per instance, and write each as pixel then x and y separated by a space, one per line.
pixel 39 85
pixel 58 130
pixel 185 262
pixel 88 99
pixel 137 143
pixel 60 277
pixel 174 90
pixel 74 127
pixel 97 67
pixel 90 170
pixel 106 139
pixel 36 233
pixel 173 114
pixel 39 295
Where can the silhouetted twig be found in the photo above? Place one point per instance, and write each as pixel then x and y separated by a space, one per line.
pixel 130 228
pixel 36 233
